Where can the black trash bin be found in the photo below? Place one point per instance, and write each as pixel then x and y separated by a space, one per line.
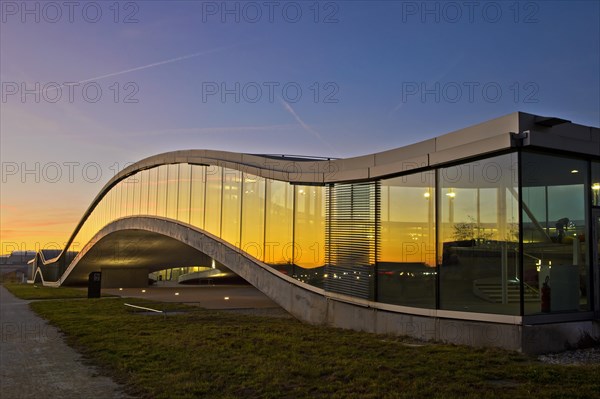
pixel 94 284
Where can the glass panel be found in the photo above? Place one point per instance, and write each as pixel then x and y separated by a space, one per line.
pixel 137 185
pixel 280 222
pixel 406 271
pixel 230 229
pixel 106 203
pixel 144 191
pixel 117 201
pixel 253 216
pixel 309 233
pixel 94 222
pixel 123 197
pixel 172 190
pixel 596 249
pixel 596 183
pixel 106 209
pixel 183 211
pixel 197 196
pixel 161 187
pixel 152 191
pixel 102 212
pixel 478 236
pixel 555 257
pixel 124 193
pixel 212 212
pixel 130 193
pixel 109 200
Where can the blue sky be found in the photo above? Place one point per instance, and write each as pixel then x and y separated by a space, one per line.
pixel 329 78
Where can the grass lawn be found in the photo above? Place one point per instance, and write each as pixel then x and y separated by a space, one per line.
pixel 38 291
pixel 213 354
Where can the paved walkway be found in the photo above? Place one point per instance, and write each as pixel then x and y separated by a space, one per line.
pixel 35 362
pixel 206 296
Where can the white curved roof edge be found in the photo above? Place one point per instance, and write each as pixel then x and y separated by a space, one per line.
pixel 486 137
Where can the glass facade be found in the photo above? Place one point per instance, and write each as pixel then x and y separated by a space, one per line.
pixel 478 219
pixel 446 238
pixel 555 233
pixel 172 191
pixel 197 189
pixel 279 215
pixel 212 198
pixel 595 184
pixel 253 216
pixel 309 234
pixel 406 271
pixel 161 190
pixel 183 195
pixel 232 202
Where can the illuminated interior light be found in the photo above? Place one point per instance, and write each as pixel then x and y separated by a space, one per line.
pixel 226 298
pixel 596 186
pixel 143 290
pixel 574 171
pixel 451 195
pixel 177 293
pixel 120 289
pixel 426 195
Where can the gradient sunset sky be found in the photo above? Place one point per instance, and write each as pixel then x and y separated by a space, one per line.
pixel 88 90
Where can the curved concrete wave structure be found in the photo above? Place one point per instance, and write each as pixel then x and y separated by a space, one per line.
pixel 484 236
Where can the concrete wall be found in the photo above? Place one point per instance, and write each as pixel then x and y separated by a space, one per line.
pixel 558 337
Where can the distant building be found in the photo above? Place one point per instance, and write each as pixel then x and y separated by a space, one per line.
pixel 17 258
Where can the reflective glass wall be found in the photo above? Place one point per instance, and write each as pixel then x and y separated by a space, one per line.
pixel 279 224
pixel 253 216
pixel 555 233
pixel 595 193
pixel 478 230
pixel 309 234
pixel 406 270
pixel 446 238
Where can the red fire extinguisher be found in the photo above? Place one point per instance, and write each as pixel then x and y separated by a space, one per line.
pixel 546 296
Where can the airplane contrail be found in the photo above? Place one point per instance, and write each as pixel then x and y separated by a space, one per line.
pixel 154 64
pixel 306 127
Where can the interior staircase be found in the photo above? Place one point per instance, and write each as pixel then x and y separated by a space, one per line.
pixel 490 289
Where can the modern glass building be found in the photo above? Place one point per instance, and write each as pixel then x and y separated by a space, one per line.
pixel 485 236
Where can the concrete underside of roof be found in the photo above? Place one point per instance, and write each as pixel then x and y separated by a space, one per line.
pixel 135 249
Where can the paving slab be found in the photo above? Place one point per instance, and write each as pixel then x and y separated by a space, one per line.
pixel 35 361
